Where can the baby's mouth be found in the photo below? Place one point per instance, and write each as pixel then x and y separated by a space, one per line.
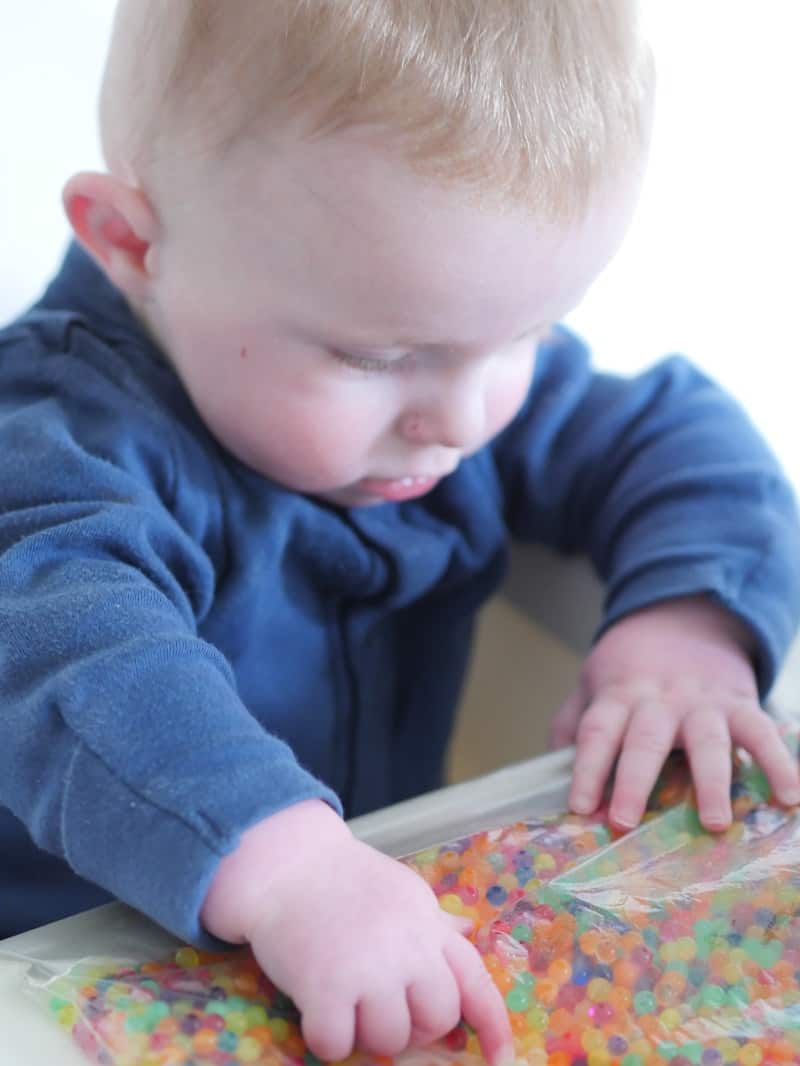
pixel 400 488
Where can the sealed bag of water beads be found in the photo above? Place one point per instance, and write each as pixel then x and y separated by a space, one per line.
pixel 665 947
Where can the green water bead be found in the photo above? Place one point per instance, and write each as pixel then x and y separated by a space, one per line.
pixel 518 999
pixel 737 996
pixel 521 932
pixel 632 1059
pixel 644 1002
pixel 237 1022
pixel 279 1028
pixel 693 1051
pixel 57 1003
pixel 712 995
pixel 256 1015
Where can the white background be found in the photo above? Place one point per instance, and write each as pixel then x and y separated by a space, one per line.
pixel 710 267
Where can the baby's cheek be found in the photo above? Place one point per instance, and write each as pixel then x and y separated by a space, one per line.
pixel 507 395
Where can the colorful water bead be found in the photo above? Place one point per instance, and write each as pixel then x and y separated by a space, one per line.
pixel 667 947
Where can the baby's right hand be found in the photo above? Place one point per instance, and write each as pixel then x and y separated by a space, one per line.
pixel 355 938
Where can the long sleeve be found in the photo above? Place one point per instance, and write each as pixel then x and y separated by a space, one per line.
pixel 124 747
pixel 662 480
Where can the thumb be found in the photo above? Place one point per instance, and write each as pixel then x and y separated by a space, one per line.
pixel 462 925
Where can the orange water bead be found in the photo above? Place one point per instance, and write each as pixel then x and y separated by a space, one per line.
pixel 561 1021
pixel 168 1026
pixel 559 971
pixel 262 1033
pixel 246 983
pixel 151 967
pixel 504 980
pixel 606 949
pixel 588 941
pixel 559 1058
pixel 783 972
pixel 625 973
pixel 204 1041
pixel 294 1046
pixel 620 999
pixel 545 991
pixel 519 1023
pixel 170 1056
pixel 631 939
pixel 669 989
pixel 652 1028
pixel 779 1051
pixel 585 843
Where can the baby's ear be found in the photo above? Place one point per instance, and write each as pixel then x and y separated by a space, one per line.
pixel 117 226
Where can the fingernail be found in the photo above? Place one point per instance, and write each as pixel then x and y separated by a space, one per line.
pixel 505 1056
pixel 715 821
pixel 582 805
pixel 791 797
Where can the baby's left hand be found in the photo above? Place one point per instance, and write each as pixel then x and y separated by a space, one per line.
pixel 677 674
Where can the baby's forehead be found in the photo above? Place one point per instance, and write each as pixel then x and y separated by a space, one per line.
pixel 371 252
pixel 485 90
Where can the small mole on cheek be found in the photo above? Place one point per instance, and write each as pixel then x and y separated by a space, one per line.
pixel 243 353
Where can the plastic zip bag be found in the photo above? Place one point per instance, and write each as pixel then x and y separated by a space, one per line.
pixel 665 946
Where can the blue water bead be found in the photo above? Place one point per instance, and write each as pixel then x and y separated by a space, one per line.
pixel 581 975
pixel 764 917
pixel 496 895
pixel 600 970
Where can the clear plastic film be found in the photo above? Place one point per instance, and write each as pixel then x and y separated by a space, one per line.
pixel 665 947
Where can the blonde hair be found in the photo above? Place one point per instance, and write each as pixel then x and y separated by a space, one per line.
pixel 539 99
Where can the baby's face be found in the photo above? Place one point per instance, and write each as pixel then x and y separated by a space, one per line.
pixel 352 330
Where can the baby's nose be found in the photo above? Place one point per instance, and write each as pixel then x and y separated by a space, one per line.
pixel 452 416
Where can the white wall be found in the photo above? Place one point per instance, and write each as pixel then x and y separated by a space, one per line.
pixel 710 267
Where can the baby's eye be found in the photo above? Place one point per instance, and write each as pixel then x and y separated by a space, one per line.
pixel 370 363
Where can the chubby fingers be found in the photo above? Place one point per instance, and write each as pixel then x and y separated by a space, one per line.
pixel 481 1003
pixel 707 740
pixel 751 728
pixel 600 735
pixel 648 741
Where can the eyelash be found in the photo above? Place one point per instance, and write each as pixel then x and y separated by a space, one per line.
pixel 366 365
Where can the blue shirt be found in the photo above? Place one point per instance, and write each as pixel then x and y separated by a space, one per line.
pixel 187 647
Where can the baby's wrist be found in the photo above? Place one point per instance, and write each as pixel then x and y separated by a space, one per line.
pixel 272 852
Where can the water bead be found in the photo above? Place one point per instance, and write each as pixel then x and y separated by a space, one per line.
pixel 187 958
pixel 644 1003
pixel 633 982
pixel 518 999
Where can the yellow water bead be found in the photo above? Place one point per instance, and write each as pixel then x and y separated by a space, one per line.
pixel 750 1054
pixel 451 903
pixel 598 990
pixel 670 1018
pixel 685 948
pixel 593 1040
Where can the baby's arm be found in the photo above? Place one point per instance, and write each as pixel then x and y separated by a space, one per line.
pixel 678 673
pixel 355 938
pixel 662 480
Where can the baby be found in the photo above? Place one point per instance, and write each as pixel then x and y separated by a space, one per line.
pixel 263 441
